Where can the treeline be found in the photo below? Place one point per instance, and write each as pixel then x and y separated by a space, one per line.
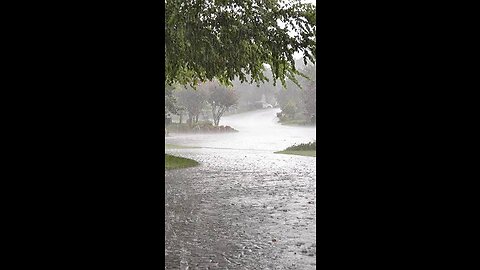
pixel 298 104
pixel 210 101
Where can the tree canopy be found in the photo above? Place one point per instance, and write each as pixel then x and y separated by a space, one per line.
pixel 224 39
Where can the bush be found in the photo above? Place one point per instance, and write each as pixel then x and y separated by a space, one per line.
pixel 303 147
pixel 289 110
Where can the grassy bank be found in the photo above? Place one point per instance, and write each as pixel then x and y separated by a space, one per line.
pixel 295 122
pixel 311 153
pixel 304 149
pixel 202 127
pixel 173 162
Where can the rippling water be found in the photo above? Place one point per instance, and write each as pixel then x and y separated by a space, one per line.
pixel 244 207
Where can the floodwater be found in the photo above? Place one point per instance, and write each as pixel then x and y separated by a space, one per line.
pixel 244 207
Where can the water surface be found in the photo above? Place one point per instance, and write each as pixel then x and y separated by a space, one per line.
pixel 244 207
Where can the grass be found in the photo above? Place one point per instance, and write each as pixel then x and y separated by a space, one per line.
pixel 307 153
pixel 173 162
pixel 303 149
pixel 294 122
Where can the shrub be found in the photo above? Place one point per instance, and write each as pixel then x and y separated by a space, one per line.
pixel 303 146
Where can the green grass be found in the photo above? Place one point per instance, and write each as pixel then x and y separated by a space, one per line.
pixel 307 153
pixel 173 162
pixel 293 122
pixel 303 149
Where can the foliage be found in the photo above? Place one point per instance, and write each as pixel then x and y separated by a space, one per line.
pixel 220 99
pixel 170 102
pixel 250 94
pixel 307 153
pixel 303 147
pixel 193 102
pixel 290 109
pixel 200 127
pixel 304 98
pixel 224 39
pixel 309 92
pixel 288 95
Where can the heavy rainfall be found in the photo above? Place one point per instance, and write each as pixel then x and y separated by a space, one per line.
pixel 240 167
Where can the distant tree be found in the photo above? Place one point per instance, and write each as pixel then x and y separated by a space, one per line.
pixel 309 91
pixel 180 112
pixel 309 97
pixel 290 109
pixel 170 101
pixel 304 98
pixel 288 98
pixel 249 94
pixel 220 99
pixel 193 102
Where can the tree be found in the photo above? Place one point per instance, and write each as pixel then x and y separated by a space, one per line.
pixel 224 39
pixel 220 99
pixel 302 96
pixel 290 109
pixel 290 99
pixel 309 91
pixel 193 102
pixel 249 94
pixel 309 97
pixel 170 101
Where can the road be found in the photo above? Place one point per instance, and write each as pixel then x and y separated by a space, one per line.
pixel 244 207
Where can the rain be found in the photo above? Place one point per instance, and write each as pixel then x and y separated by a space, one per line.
pixel 240 172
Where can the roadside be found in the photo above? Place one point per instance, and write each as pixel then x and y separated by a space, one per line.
pixel 173 162
pixel 307 153
pixel 304 149
pixel 296 122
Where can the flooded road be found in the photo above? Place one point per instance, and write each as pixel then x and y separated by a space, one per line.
pixel 244 207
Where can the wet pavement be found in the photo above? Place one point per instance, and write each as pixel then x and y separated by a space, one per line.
pixel 244 207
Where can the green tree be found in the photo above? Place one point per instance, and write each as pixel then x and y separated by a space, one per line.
pixel 170 102
pixel 220 99
pixel 309 91
pixel 193 102
pixel 224 39
pixel 290 110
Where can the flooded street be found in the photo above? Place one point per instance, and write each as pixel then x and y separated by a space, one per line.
pixel 244 207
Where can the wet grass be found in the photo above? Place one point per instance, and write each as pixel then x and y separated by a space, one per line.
pixel 173 162
pixel 307 153
pixel 303 149
pixel 295 122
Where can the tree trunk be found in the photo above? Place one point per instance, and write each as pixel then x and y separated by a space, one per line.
pixel 190 119
pixel 214 115
pixel 217 113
